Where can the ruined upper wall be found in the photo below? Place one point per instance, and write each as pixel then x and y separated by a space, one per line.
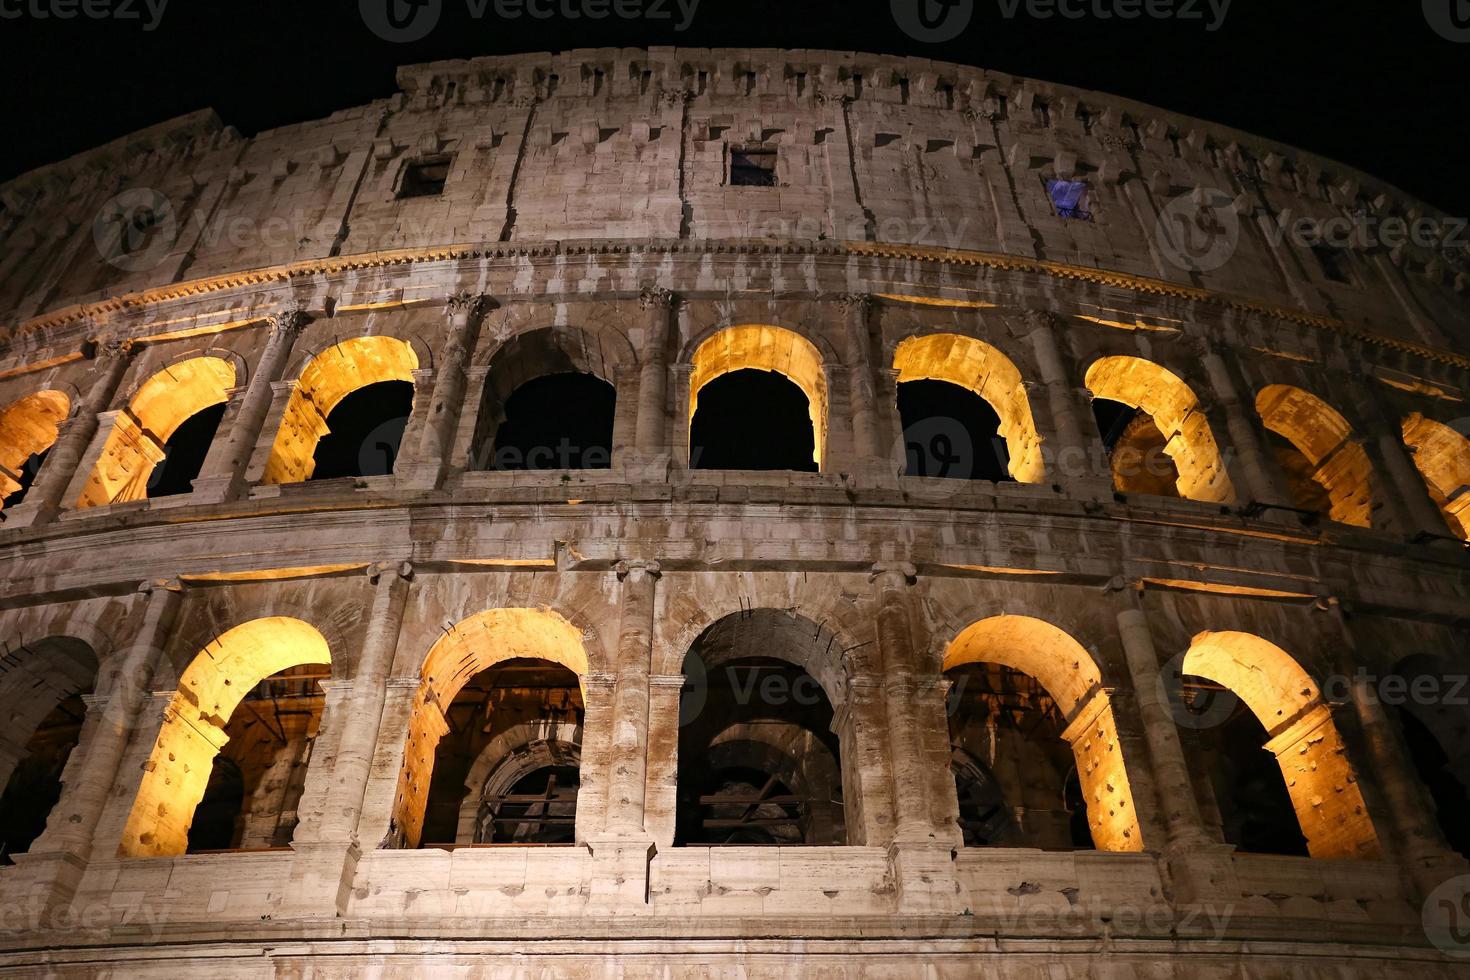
pixel 621 143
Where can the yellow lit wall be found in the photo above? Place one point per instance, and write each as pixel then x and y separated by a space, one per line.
pixel 27 427
pixel 1340 465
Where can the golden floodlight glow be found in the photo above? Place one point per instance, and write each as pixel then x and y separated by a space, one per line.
pixel 765 348
pixel 164 402
pixel 331 376
pixel 979 368
pixel 193 732
pixel 1067 671
pixel 27 427
pixel 1339 464
pixel 1302 735
pixel 939 301
pixel 1159 393
pixel 1443 457
pixel 466 649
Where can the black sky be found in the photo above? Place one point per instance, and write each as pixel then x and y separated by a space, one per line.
pixel 1367 82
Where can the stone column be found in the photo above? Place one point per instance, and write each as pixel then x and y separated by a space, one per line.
pixel 1258 479
pixel 59 856
pixel 871 456
pixel 1416 836
pixel 1400 487
pixel 465 311
pixel 621 854
pixel 223 474
pixel 652 445
pixel 45 499
pixel 326 842
pixel 1076 458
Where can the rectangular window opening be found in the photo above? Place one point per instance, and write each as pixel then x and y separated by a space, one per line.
pixel 1069 198
pixel 1333 261
pixel 424 178
pixel 753 168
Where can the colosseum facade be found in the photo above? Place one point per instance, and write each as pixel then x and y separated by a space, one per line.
pixel 1104 691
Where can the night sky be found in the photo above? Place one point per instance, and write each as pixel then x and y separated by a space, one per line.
pixel 1367 83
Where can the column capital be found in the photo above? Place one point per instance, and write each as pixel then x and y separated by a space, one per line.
pixel 856 302
pixel 403 569
pixel 1042 320
pixel 288 321
pixel 637 568
pixel 652 296
pixel 467 304
pixel 153 585
pixel 893 573
pixel 114 350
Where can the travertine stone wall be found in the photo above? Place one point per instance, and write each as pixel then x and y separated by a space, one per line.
pixel 588 221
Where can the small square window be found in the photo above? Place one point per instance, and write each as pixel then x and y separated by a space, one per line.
pixel 1069 197
pixel 1333 261
pixel 424 178
pixel 753 168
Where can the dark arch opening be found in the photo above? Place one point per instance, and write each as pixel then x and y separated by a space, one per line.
pixel 1028 795
pixel 1134 445
pixel 1306 493
pixel 949 431
pixel 216 819
pixel 493 702
pixel 1255 807
pixel 752 420
pixel 26 478
pixel 184 453
pixel 366 430
pixel 1451 796
pixel 34 787
pixel 557 422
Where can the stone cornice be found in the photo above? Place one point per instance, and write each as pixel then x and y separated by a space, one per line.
pixel 131 304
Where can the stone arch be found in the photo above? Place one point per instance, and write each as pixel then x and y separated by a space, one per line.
pixel 159 405
pixel 1442 455
pixel 980 368
pixel 327 378
pixel 764 347
pixel 1339 464
pixel 1072 677
pixel 509 757
pixel 218 678
pixel 34 678
pixel 780 634
pixel 1300 734
pixel 1174 408
pixel 469 647
pixel 28 426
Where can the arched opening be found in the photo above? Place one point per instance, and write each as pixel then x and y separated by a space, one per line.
pixel 41 689
pixel 507 768
pixel 28 430
pixel 759 760
pixel 376 420
pixel 751 391
pixel 256 684
pixel 1429 703
pixel 548 404
pixel 1037 757
pixel 1294 726
pixel 986 373
pixel 1442 456
pixel 950 432
pixel 537 647
pixel 1327 471
pixel 1159 442
pixel 173 416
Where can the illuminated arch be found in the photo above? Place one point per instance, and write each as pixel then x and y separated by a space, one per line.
pixel 193 732
pixel 1339 464
pixel 469 647
pixel 1301 734
pixel 1175 410
pixel 1443 457
pixel 765 348
pixel 1070 675
pixel 27 427
pixel 161 404
pixel 331 376
pixel 979 368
